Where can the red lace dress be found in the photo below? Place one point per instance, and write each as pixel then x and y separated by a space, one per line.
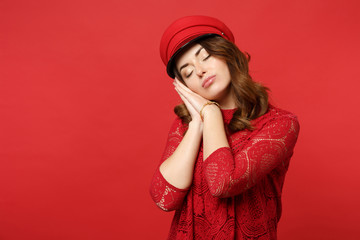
pixel 236 191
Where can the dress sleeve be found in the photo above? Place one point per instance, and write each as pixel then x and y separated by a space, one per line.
pixel 231 172
pixel 166 196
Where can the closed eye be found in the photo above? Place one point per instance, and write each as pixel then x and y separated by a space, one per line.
pixel 206 57
pixel 189 74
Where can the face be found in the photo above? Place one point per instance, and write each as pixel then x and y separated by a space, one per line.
pixel 204 74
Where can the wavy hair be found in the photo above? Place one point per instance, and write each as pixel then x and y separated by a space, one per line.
pixel 251 98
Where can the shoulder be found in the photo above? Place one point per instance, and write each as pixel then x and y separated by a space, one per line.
pixel 278 118
pixel 278 113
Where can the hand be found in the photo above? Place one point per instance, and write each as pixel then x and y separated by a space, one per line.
pixel 193 101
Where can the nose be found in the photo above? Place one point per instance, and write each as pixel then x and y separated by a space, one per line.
pixel 200 70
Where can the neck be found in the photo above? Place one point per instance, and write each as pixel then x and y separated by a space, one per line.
pixel 228 102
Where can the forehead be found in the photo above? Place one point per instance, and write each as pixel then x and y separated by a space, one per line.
pixel 187 54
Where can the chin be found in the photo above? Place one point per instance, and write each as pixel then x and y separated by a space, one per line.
pixel 216 94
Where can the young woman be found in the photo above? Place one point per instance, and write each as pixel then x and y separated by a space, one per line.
pixel 228 150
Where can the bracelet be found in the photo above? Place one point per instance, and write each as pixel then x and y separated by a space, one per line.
pixel 208 103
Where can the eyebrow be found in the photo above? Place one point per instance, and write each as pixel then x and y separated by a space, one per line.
pixel 196 54
pixel 198 51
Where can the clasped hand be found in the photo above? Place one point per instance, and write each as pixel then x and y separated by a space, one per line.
pixel 193 101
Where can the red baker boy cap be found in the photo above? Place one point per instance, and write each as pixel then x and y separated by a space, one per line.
pixel 187 30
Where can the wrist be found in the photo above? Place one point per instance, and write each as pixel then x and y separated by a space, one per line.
pixel 209 105
pixel 196 125
pixel 210 111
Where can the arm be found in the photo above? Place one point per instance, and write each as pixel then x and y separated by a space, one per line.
pixel 174 176
pixel 178 168
pixel 167 196
pixel 230 173
pixel 214 136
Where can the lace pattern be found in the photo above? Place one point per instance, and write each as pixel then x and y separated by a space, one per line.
pixel 236 191
pixel 165 195
pixel 230 173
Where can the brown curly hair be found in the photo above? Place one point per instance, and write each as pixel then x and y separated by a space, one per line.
pixel 251 97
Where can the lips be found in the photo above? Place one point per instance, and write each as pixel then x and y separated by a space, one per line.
pixel 208 81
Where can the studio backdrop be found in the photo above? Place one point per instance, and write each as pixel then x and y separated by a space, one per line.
pixel 86 106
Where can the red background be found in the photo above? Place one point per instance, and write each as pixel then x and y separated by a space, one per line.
pixel 85 108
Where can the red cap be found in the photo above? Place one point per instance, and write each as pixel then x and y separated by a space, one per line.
pixel 186 30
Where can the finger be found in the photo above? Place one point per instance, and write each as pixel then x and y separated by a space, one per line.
pixel 189 106
pixel 181 94
pixel 184 94
pixel 196 100
pixel 187 92
pixel 182 86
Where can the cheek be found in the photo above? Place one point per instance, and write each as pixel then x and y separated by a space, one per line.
pixel 190 83
pixel 193 87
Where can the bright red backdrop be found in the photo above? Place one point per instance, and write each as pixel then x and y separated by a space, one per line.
pixel 85 107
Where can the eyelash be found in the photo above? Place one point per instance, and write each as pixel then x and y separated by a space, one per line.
pixel 206 57
pixel 187 76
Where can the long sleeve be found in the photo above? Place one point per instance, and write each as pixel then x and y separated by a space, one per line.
pixel 166 196
pixel 230 172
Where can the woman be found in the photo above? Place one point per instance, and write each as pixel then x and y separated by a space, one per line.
pixel 228 150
